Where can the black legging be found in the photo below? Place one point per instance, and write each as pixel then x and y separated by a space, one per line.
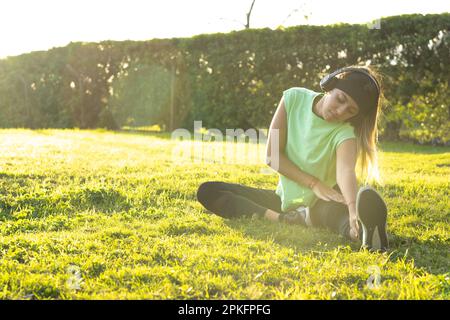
pixel 231 200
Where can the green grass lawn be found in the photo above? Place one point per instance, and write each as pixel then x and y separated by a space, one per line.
pixel 103 215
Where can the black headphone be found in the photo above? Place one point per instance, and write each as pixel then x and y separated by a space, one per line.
pixel 329 81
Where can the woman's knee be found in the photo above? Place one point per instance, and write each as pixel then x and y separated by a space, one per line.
pixel 327 213
pixel 206 191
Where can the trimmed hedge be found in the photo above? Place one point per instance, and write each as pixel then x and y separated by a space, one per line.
pixel 232 80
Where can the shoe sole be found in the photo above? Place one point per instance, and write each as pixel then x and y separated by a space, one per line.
pixel 308 218
pixel 372 213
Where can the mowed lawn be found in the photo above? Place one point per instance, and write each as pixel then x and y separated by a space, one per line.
pixel 104 215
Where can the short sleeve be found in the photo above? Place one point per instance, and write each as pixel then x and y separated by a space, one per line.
pixel 292 98
pixel 345 133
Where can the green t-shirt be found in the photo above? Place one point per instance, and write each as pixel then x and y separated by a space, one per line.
pixel 311 144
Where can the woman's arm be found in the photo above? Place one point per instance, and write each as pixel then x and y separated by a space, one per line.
pixel 276 158
pixel 346 155
pixel 275 151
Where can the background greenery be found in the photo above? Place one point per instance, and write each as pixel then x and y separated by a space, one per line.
pixel 232 80
pixel 102 215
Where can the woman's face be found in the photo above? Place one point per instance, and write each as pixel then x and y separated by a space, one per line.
pixel 338 106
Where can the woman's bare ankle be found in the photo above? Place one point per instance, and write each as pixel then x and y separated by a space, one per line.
pixel 271 215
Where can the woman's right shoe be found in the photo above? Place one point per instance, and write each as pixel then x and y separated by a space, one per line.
pixel 372 213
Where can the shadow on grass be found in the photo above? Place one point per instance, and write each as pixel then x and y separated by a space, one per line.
pixel 156 134
pixel 298 238
pixel 409 147
pixel 432 255
pixel 260 137
pixel 386 146
pixel 25 204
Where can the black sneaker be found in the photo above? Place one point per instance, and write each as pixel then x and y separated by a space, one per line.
pixel 297 216
pixel 372 213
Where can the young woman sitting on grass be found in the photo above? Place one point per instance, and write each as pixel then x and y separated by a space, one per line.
pixel 315 139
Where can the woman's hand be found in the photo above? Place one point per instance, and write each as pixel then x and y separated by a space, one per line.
pixel 326 193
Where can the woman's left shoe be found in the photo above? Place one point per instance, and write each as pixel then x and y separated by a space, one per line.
pixel 372 213
pixel 298 216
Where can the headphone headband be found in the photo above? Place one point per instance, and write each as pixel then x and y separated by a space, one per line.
pixel 327 82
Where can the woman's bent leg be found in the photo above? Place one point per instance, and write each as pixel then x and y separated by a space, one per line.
pixel 332 215
pixel 231 200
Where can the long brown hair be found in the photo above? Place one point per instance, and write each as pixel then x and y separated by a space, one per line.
pixel 366 131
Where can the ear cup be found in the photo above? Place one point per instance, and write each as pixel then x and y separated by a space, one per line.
pixel 329 81
pixel 328 84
